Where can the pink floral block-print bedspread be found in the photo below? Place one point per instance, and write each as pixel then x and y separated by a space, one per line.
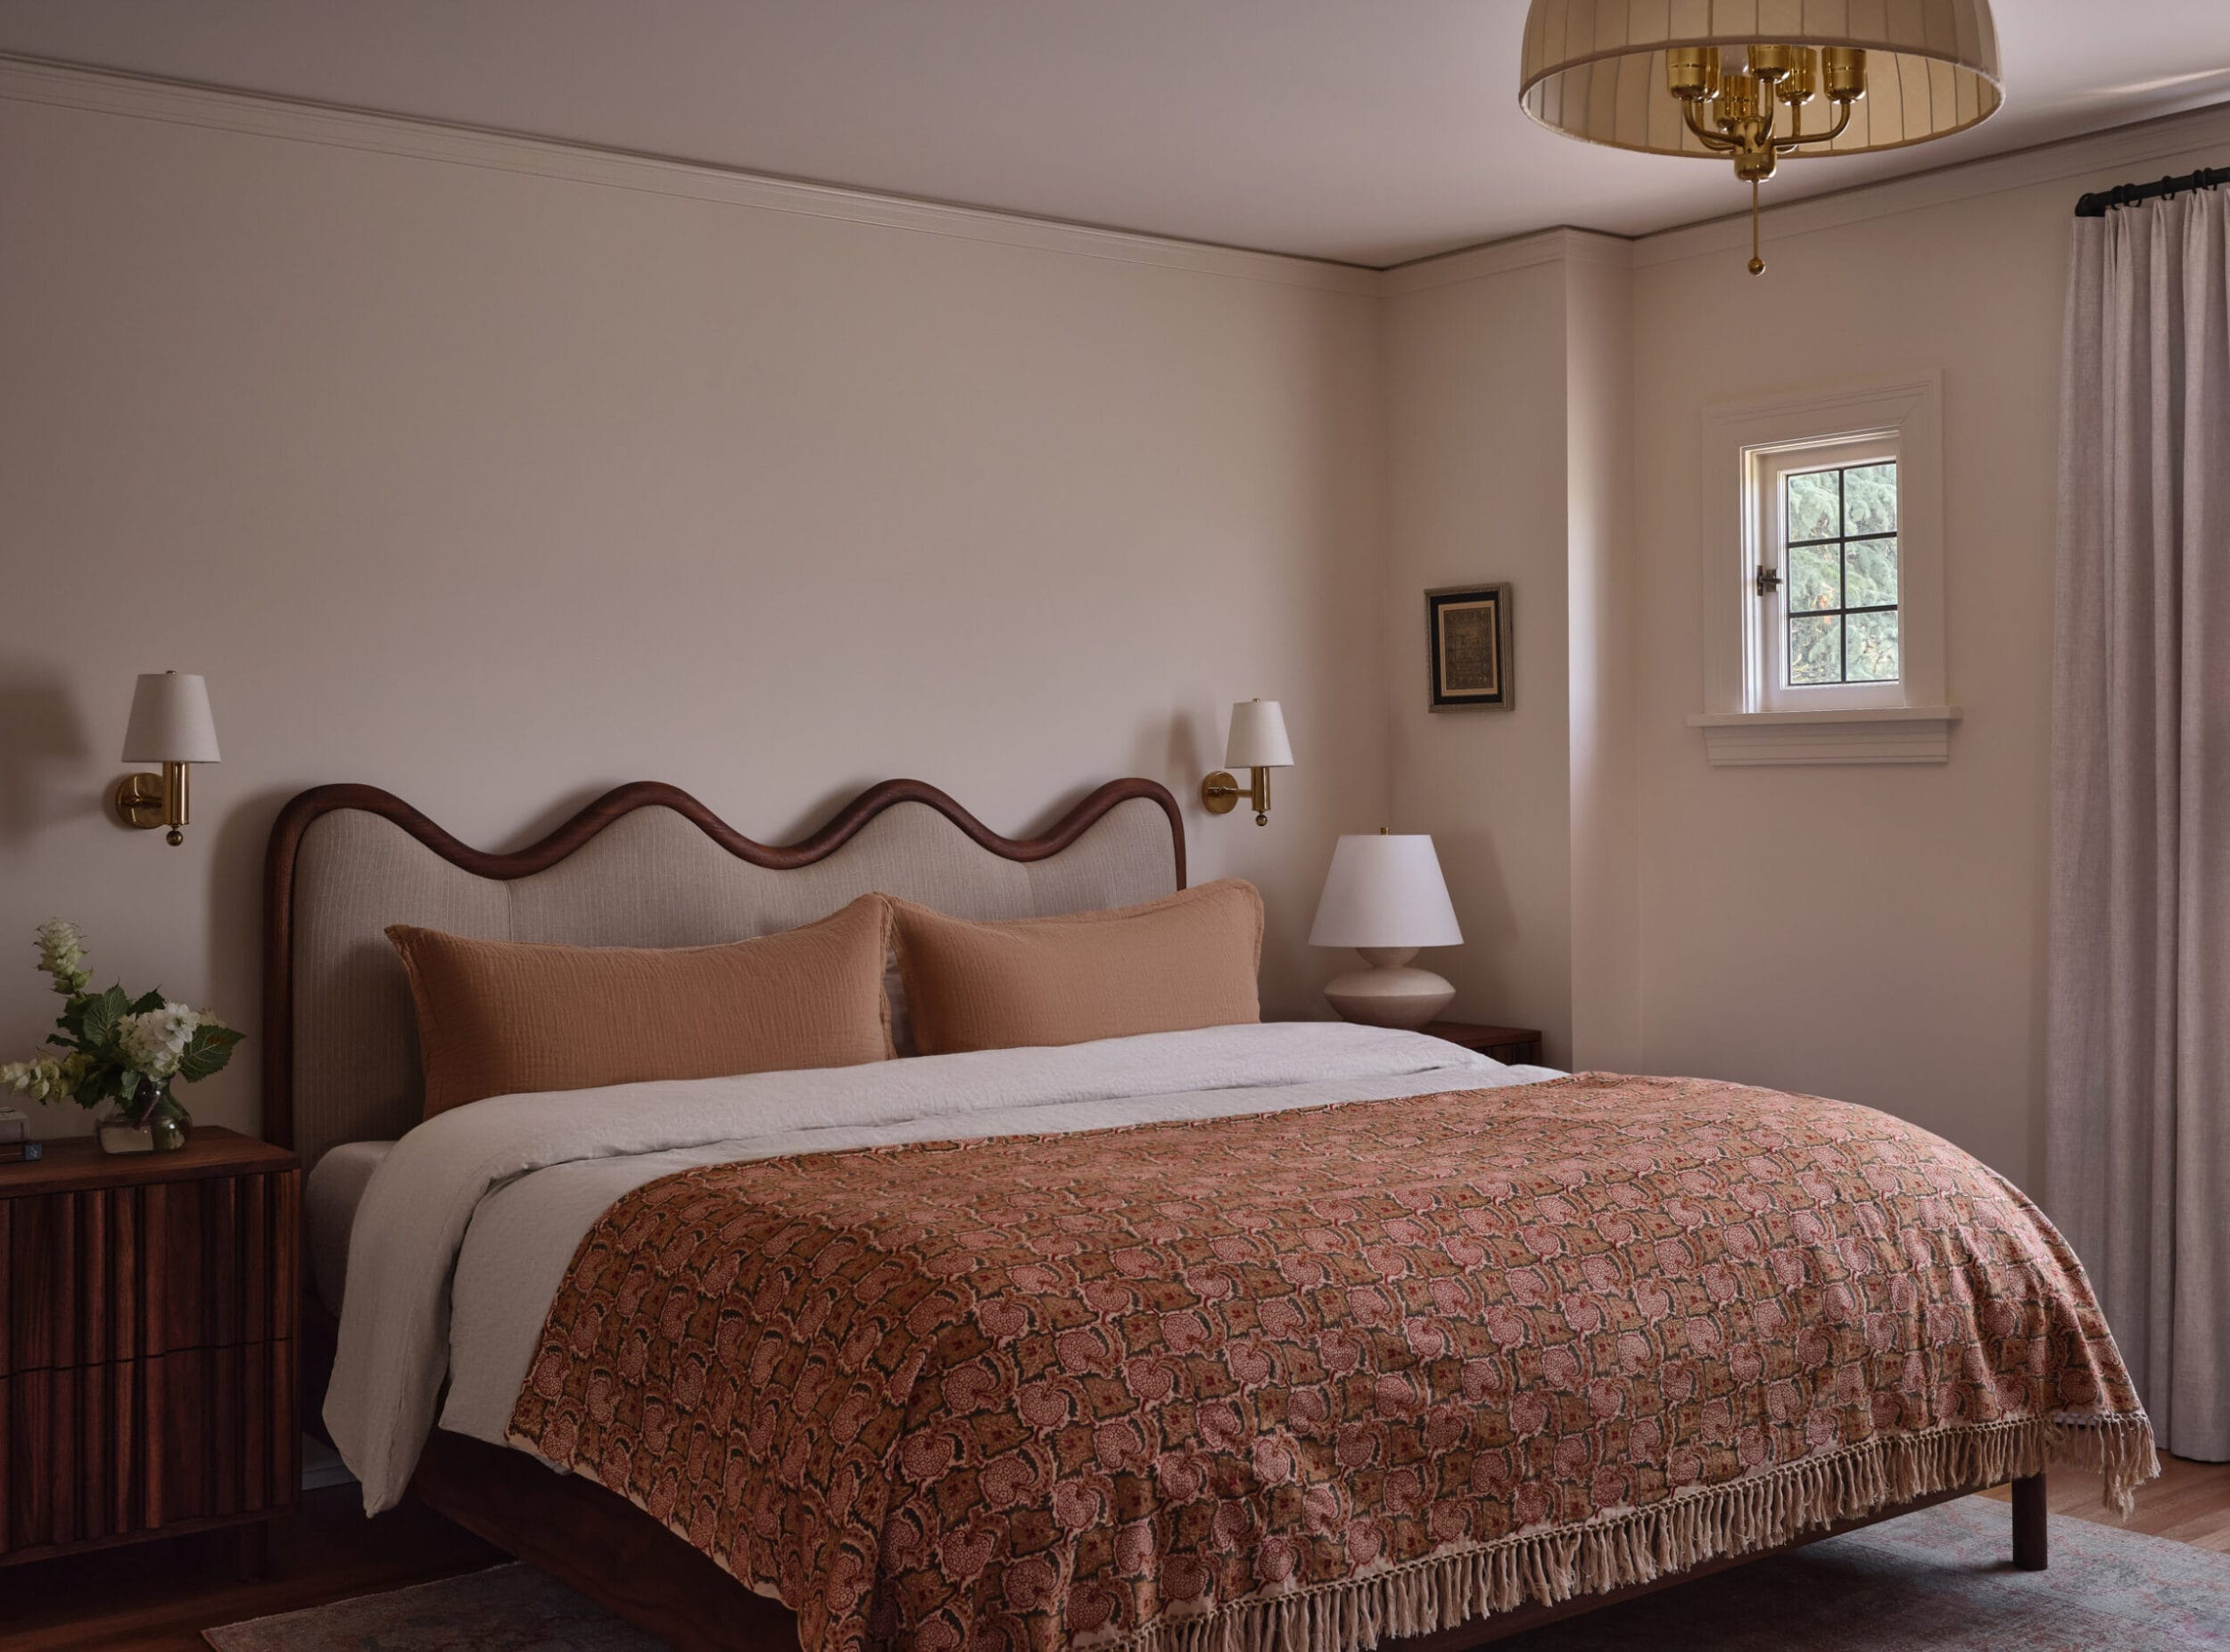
pixel 1308 1379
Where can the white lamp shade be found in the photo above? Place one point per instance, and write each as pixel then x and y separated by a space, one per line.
pixel 170 720
pixel 1257 737
pixel 1385 891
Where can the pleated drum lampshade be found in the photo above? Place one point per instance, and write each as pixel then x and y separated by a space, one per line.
pixel 1596 69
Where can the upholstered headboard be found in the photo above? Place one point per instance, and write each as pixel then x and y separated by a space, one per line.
pixel 645 866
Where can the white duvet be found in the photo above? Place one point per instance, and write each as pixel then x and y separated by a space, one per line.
pixel 466 1229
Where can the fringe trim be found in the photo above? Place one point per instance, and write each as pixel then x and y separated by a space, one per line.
pixel 1744 1516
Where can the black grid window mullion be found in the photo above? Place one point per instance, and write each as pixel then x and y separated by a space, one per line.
pixel 1842 539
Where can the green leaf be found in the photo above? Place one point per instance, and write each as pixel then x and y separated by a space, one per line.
pixel 99 1026
pixel 207 1052
pixel 127 1086
pixel 146 1001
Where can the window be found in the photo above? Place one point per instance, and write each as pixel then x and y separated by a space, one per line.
pixel 1829 604
pixel 1823 579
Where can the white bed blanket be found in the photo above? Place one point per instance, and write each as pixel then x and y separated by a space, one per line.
pixel 485 1205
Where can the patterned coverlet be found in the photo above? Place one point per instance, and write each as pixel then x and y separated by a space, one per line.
pixel 1309 1379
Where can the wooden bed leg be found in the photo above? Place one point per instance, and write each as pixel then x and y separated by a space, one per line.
pixel 2031 1552
pixel 252 1552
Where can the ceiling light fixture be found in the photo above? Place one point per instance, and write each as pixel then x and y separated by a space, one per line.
pixel 1732 78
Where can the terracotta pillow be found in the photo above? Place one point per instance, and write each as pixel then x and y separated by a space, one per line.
pixel 1187 960
pixel 497 1018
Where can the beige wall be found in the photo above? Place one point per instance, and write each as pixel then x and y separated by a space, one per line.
pixel 1476 455
pixel 1874 934
pixel 497 489
pixel 1602 628
pixel 1871 933
pixel 1508 453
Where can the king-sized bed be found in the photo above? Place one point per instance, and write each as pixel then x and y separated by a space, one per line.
pixel 1247 1334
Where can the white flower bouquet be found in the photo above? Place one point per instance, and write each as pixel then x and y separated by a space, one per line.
pixel 119 1050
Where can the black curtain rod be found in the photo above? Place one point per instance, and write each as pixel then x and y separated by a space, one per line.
pixel 2129 194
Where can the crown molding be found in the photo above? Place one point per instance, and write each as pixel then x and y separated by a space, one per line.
pixel 1496 258
pixel 68 86
pixel 2115 150
pixel 32 80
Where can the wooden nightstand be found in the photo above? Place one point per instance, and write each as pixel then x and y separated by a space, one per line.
pixel 1517 1046
pixel 148 1380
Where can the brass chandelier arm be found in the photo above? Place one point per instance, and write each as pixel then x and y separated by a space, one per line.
pixel 1798 137
pixel 1711 140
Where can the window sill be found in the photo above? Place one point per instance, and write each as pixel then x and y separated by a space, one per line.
pixel 1886 734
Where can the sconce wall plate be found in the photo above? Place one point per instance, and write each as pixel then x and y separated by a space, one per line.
pixel 149 801
pixel 1219 794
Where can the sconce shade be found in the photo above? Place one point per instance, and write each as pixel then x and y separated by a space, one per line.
pixel 170 720
pixel 1596 69
pixel 1385 891
pixel 1257 737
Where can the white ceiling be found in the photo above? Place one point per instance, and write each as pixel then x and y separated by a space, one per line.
pixel 1371 131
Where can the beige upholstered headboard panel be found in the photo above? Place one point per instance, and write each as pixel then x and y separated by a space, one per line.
pixel 646 865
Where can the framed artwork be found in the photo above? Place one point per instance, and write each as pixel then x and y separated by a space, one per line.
pixel 1468 647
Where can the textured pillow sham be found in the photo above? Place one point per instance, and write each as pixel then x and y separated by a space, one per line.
pixel 499 1018
pixel 1187 960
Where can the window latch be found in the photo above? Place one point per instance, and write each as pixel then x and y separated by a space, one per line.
pixel 1768 581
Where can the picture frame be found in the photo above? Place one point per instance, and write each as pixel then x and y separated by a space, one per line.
pixel 1467 647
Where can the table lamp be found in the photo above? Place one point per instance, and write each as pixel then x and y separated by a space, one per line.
pixel 1385 897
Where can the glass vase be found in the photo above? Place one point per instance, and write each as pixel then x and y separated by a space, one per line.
pixel 169 1123
pixel 160 1126
pixel 120 1133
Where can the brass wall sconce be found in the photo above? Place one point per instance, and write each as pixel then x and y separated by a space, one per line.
pixel 1258 744
pixel 171 725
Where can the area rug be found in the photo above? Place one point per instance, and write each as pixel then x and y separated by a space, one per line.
pixel 510 1608
pixel 1942 1578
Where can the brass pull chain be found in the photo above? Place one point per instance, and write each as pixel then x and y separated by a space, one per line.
pixel 1757 264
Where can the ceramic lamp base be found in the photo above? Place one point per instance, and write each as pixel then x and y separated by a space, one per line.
pixel 1389 993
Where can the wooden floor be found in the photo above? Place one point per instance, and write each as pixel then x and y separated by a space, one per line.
pixel 158 1596
pixel 162 1595
pixel 2189 1502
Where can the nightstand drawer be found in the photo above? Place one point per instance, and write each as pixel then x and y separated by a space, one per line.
pixel 118 1273
pixel 100 1453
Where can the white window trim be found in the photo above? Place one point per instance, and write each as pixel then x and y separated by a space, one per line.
pixel 1742 723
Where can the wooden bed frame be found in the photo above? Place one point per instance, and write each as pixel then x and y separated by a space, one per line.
pixel 594 1540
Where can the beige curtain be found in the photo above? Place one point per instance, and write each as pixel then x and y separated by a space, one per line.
pixel 2137 1169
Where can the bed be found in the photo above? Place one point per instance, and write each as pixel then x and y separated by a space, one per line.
pixel 1341 1510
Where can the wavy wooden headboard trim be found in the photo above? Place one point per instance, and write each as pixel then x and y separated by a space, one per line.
pixel 300 810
